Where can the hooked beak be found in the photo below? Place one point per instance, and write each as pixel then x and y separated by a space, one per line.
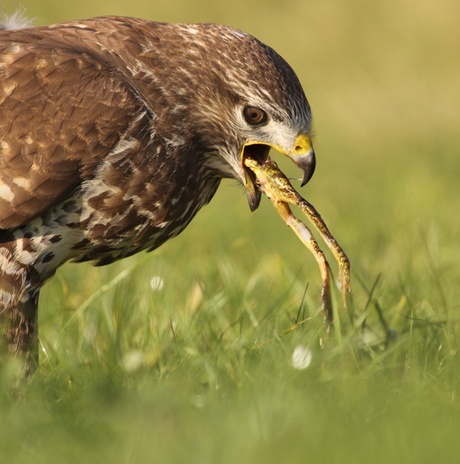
pixel 303 155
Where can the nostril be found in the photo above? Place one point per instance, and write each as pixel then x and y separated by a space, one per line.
pixel 302 144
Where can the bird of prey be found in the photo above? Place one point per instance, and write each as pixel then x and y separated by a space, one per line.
pixel 115 131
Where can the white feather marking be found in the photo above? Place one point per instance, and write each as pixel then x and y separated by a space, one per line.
pixel 8 88
pixel 7 264
pixel 6 193
pixel 22 182
pixel 7 298
pixel 26 258
pixel 16 20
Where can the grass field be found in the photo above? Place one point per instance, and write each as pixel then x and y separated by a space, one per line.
pixel 211 349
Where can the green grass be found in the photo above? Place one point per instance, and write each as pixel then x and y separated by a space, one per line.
pixel 200 371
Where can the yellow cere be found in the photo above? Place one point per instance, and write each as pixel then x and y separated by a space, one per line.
pixel 302 145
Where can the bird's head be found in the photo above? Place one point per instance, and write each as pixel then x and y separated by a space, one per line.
pixel 265 128
pixel 240 98
pixel 254 102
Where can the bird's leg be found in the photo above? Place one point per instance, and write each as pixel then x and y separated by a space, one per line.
pixel 18 313
pixel 21 333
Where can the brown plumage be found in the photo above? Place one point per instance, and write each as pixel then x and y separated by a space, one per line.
pixel 115 131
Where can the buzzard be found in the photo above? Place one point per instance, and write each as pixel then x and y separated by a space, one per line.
pixel 115 131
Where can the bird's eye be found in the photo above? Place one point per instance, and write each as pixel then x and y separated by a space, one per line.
pixel 255 116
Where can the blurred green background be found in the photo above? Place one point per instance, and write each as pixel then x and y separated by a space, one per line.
pixel 383 79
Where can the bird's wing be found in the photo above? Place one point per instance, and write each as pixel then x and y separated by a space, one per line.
pixel 62 110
